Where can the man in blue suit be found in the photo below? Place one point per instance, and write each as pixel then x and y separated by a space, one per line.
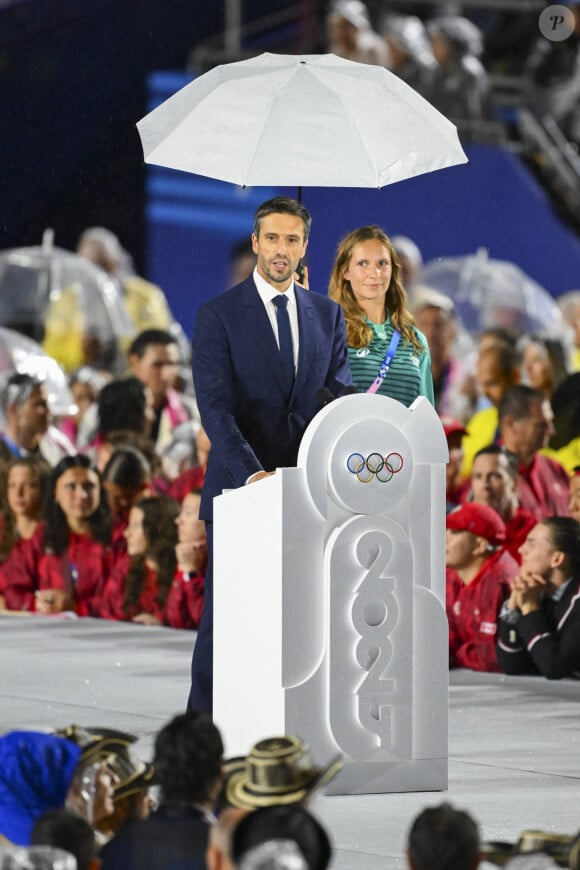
pixel 262 352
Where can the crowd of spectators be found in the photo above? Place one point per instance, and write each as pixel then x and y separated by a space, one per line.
pixel 77 797
pixel 99 510
pixel 450 55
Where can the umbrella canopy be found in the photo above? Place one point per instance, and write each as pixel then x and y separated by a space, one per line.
pixel 488 293
pixel 22 354
pixel 300 120
pixel 43 282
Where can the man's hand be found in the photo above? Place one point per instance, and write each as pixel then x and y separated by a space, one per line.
pixel 304 282
pixel 260 475
pixel 52 601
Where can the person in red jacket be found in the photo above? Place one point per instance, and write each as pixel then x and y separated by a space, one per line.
pixel 63 566
pixel 478 579
pixel 185 601
pixel 139 585
pixel 494 477
pixel 526 422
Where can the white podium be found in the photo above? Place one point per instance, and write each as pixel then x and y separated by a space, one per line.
pixel 329 599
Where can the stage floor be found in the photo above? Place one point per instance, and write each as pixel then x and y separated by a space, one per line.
pixel 514 743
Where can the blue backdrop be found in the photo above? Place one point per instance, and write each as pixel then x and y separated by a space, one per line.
pixel 494 201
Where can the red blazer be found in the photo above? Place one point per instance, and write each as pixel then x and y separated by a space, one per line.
pixel 82 570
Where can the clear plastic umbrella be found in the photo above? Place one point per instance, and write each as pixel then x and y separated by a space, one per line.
pixel 22 354
pixel 58 298
pixel 488 293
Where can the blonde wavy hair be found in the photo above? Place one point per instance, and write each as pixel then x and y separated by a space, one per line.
pixel 358 333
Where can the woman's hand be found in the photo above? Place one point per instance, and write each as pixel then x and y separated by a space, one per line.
pixel 146 619
pixel 191 555
pixel 52 601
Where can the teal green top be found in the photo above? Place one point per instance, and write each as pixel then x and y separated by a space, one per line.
pixel 410 373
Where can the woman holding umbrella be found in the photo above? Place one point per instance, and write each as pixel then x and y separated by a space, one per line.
pixel 387 353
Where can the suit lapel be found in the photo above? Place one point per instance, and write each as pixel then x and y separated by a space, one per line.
pixel 307 335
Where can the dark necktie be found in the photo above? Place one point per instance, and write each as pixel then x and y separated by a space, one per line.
pixel 285 339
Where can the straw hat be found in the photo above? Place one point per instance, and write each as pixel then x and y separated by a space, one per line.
pixel 97 744
pixel 278 770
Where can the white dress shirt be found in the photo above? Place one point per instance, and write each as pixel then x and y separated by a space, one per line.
pixel 267 293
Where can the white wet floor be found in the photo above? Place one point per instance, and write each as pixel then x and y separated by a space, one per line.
pixel 514 743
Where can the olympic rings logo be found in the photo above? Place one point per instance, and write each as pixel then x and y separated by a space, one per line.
pixel 383 468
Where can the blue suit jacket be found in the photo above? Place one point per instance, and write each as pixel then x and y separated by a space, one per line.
pixel 251 423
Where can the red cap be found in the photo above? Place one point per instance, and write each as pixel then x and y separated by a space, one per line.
pixel 480 519
pixel 451 426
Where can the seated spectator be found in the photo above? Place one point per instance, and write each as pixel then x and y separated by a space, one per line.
pixel 41 772
pixel 569 305
pixel 125 405
pixel 145 302
pixel 131 794
pixel 351 36
pixel 497 369
pixel 452 382
pixel 525 424
pixel 64 565
pixel 494 479
pixel 456 489
pixel 25 490
pixel 409 49
pixel 139 585
pixel 409 258
pixel 67 830
pixel 443 838
pixel 127 438
pixel 544 364
pixel 85 384
pixel 277 770
pixel 185 601
pixel 192 478
pixel 478 574
pixel 539 627
pixel 28 429
pixel 565 441
pixel 574 494
pixel 280 837
pixel 126 480
pixel 460 87
pixel 154 360
pixel 188 769
pixel 553 81
pixel 178 457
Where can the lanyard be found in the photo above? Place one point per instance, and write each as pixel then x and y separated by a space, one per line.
pixel 386 363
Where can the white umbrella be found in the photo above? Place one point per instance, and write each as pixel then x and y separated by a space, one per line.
pixel 300 120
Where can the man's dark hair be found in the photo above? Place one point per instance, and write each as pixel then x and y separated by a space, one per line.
pixel 188 758
pixel 66 830
pixel 293 823
pixel 283 205
pixel 443 838
pixel 141 342
pixel 565 534
pixel 499 450
pixel 121 405
pixel 518 401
